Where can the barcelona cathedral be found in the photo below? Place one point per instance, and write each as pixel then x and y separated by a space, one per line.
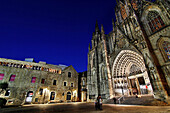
pixel 134 58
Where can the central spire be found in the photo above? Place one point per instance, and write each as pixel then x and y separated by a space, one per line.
pixel 97 27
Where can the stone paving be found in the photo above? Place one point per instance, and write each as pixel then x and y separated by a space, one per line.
pixel 84 108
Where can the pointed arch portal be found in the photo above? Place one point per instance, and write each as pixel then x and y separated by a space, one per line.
pixel 129 74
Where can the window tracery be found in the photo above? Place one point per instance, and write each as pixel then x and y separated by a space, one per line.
pixel 123 11
pixel 155 21
pixel 134 69
pixel 134 4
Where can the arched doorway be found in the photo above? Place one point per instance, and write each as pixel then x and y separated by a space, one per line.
pixel 68 96
pixel 129 74
pixel 52 96
pixel 29 97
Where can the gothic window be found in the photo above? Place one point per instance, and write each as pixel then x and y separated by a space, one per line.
pixel 166 47
pixel 134 4
pixel 155 21
pixel 123 11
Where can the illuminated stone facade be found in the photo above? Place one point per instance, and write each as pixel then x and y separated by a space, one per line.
pixel 31 82
pixel 134 58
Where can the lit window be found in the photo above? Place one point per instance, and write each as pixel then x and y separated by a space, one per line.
pixel 42 81
pixel 123 11
pixel 65 83
pixel 134 4
pixel 33 80
pixel 155 21
pixel 12 78
pixel 69 74
pixel 1 76
pixel 71 84
pixel 54 82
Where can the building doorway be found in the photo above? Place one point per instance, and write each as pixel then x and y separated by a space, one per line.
pixel 133 86
pixel 29 97
pixel 68 96
pixel 52 96
pixel 129 68
pixel 142 85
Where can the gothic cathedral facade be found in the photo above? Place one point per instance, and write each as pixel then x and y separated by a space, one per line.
pixel 134 58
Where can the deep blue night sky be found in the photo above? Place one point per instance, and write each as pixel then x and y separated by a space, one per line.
pixel 55 31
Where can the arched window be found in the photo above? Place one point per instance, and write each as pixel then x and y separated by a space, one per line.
pixel 134 4
pixel 123 11
pixel 69 74
pixel 166 47
pixel 155 21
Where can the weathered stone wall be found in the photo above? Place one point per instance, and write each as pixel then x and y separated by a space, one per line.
pixel 22 83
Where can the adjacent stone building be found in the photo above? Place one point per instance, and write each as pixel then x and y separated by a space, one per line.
pixel 82 86
pixel 134 58
pixel 31 82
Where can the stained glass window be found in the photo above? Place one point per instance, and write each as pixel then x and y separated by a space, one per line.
pixel 155 21
pixel 123 12
pixel 134 4
pixel 166 46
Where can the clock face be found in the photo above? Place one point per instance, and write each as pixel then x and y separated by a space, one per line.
pixel 134 4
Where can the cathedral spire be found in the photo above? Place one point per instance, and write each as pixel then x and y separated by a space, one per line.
pixel 102 29
pixel 96 27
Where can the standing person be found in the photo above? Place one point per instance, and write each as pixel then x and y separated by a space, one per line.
pixel 100 103
pixel 96 103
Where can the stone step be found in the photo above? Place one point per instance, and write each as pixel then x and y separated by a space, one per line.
pixel 143 100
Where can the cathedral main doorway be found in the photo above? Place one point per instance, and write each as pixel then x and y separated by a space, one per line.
pixel 129 74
